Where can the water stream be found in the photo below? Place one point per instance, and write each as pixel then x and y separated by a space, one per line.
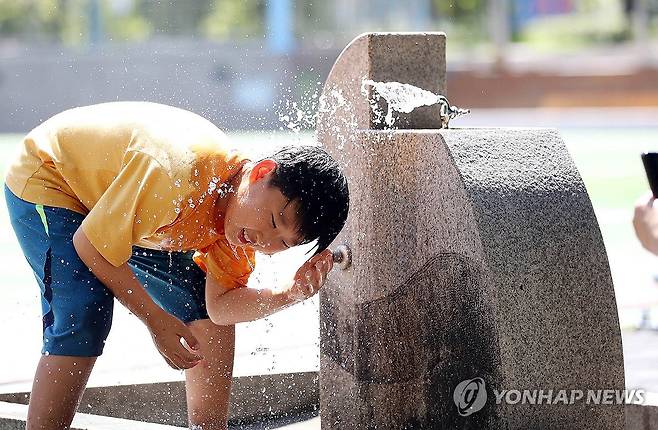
pixel 405 98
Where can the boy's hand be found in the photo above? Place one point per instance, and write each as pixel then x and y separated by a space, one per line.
pixel 311 276
pixel 645 222
pixel 167 331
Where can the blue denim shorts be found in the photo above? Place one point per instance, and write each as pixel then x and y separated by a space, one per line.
pixel 76 306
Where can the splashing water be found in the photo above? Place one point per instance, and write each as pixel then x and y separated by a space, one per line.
pixel 405 98
pixel 295 116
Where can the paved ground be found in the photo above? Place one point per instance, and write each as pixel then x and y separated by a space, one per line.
pixel 641 359
pixel 303 422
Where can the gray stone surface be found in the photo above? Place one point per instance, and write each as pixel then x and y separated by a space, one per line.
pixel 476 253
pixel 13 416
pixel 392 57
pixel 253 398
pixel 637 417
pixel 643 416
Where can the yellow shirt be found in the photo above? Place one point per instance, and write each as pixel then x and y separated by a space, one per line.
pixel 144 174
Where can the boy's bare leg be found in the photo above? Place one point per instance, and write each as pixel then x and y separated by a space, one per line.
pixel 58 386
pixel 208 384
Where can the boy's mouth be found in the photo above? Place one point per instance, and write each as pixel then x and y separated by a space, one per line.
pixel 243 237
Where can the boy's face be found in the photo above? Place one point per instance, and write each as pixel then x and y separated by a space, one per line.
pixel 259 215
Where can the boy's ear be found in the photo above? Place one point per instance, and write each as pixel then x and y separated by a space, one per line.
pixel 262 169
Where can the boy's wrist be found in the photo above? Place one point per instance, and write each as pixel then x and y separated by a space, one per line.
pixel 287 295
pixel 150 313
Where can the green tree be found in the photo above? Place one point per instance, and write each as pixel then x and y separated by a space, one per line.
pixel 234 19
pixel 34 18
pixel 13 16
pixel 176 16
pixel 67 21
pixel 126 25
pixel 459 8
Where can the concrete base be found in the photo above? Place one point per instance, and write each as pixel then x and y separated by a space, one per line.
pixel 13 416
pixel 290 396
pixel 645 416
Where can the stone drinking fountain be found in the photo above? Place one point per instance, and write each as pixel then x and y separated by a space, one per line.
pixel 477 264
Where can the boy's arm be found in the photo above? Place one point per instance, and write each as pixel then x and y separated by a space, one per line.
pixel 165 329
pixel 227 306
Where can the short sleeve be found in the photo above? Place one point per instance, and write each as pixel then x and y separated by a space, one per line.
pixel 231 267
pixel 136 204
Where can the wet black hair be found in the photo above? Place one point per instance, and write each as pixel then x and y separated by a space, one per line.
pixel 310 178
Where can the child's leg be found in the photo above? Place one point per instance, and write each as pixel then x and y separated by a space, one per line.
pixel 58 385
pixel 208 384
pixel 76 308
pixel 177 284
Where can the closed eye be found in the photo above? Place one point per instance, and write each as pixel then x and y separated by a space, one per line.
pixel 274 225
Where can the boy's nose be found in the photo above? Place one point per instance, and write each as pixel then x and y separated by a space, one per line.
pixel 265 241
pixel 254 237
pixel 260 240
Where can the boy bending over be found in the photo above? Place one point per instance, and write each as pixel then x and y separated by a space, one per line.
pixel 146 203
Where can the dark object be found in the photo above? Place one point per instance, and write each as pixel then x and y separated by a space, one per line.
pixel 343 256
pixel 650 161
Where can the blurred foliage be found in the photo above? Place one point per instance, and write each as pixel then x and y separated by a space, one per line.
pixel 459 9
pixel 125 23
pixel 175 16
pixel 594 21
pixel 464 20
pixel 313 17
pixel 23 16
pixel 234 19
pixel 68 21
pixel 13 16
